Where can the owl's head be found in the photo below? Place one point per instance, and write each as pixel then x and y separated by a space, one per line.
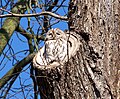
pixel 54 34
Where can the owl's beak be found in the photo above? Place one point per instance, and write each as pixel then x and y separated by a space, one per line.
pixel 54 35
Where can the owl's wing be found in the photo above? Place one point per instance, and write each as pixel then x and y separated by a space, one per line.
pixel 73 44
pixel 39 59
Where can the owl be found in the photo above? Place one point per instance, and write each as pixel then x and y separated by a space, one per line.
pixel 59 47
pixel 55 45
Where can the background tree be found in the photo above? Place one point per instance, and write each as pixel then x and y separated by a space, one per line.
pixel 92 73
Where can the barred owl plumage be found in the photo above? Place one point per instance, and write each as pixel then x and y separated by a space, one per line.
pixel 59 46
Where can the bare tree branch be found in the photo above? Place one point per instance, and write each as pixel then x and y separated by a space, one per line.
pixel 10 24
pixel 10 84
pixel 35 14
pixel 28 35
pixel 16 70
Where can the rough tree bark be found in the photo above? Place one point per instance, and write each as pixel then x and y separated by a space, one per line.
pixel 93 73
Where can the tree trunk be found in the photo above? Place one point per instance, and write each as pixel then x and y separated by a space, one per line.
pixel 93 73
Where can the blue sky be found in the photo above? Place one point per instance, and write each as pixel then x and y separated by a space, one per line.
pixel 19 44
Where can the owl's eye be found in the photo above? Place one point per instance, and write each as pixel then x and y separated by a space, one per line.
pixel 58 33
pixel 50 34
